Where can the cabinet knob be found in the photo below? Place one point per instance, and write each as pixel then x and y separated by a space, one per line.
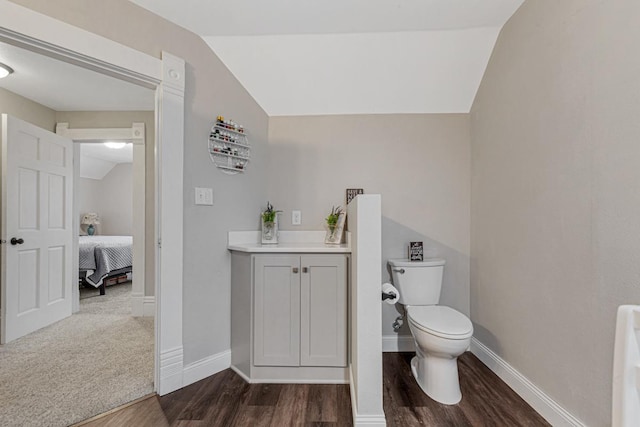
pixel 305 270
pixel 295 270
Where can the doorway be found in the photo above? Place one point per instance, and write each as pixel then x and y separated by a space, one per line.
pixel 96 359
pixel 106 151
pixel 35 32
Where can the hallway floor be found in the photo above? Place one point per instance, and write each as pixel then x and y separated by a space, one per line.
pixel 83 365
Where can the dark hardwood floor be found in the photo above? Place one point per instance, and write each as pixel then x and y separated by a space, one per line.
pixel 226 400
pixel 486 399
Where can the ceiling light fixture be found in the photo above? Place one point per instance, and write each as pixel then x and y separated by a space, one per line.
pixel 5 70
pixel 115 145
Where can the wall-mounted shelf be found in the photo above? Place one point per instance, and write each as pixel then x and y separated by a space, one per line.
pixel 213 138
pixel 229 147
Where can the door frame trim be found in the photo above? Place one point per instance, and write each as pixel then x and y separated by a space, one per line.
pixel 136 135
pixel 40 33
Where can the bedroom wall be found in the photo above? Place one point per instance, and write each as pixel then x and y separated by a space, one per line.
pixel 111 197
pixel 117 201
pixel 27 110
pixel 88 195
pixel 556 196
pixel 419 163
pixel 210 90
pixel 121 119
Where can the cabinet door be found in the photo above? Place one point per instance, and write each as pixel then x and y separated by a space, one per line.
pixel 323 311
pixel 277 310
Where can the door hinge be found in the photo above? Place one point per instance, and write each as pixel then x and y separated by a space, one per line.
pixel 160 243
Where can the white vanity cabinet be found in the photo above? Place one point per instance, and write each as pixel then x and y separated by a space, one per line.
pixel 300 310
pixel 289 316
pixel 276 310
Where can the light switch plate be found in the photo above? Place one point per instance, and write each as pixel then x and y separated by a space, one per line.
pixel 204 196
pixel 296 217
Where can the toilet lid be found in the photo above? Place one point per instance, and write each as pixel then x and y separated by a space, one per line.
pixel 441 321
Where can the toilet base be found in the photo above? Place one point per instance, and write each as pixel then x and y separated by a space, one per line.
pixel 438 378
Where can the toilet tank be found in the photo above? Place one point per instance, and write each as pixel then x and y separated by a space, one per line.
pixel 419 282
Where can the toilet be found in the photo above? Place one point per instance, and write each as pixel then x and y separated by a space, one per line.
pixel 441 334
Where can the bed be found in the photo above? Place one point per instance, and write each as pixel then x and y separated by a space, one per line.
pixel 102 257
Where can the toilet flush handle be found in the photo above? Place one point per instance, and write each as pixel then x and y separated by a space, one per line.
pixel 399 270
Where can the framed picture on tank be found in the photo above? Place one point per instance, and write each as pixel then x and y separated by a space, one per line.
pixel 416 251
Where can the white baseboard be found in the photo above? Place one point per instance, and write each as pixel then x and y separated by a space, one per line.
pixel 206 367
pixel 242 375
pixel 137 304
pixel 281 381
pixel 143 306
pixel 362 420
pixel 293 375
pixel 149 307
pixel 171 371
pixel 395 343
pixel 285 381
pixel 555 414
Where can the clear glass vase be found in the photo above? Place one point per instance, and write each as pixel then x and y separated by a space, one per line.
pixel 334 232
pixel 332 238
pixel 270 231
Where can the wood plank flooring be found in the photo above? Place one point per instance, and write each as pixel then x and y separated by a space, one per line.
pixel 486 399
pixel 226 400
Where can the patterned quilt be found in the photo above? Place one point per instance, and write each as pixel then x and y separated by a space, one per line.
pixel 101 255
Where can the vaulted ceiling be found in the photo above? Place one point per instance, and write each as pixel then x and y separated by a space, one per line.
pixel 301 57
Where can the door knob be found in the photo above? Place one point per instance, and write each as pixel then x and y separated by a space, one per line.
pixel 15 241
pixel 305 270
pixel 295 270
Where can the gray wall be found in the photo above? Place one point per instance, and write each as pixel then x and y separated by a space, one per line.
pixel 117 207
pixel 210 90
pixel 419 163
pixel 88 195
pixel 124 119
pixel 111 197
pixel 556 195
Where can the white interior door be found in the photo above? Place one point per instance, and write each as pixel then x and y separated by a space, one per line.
pixel 37 189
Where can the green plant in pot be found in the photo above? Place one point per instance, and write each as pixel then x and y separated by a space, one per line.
pixel 269 215
pixel 333 221
pixel 270 224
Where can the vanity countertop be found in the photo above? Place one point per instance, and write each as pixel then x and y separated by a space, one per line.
pixel 289 242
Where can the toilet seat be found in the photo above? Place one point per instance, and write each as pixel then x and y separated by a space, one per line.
pixel 441 321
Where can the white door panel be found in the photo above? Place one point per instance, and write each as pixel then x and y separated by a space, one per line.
pixel 27 199
pixel 56 274
pixel 37 179
pixel 56 202
pixel 28 292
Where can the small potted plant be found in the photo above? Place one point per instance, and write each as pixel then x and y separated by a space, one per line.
pixel 335 226
pixel 269 221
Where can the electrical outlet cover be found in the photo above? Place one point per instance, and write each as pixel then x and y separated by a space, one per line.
pixel 296 217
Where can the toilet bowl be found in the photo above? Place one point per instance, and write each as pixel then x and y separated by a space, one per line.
pixel 441 334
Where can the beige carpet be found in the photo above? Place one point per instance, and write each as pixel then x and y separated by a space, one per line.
pixel 79 367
